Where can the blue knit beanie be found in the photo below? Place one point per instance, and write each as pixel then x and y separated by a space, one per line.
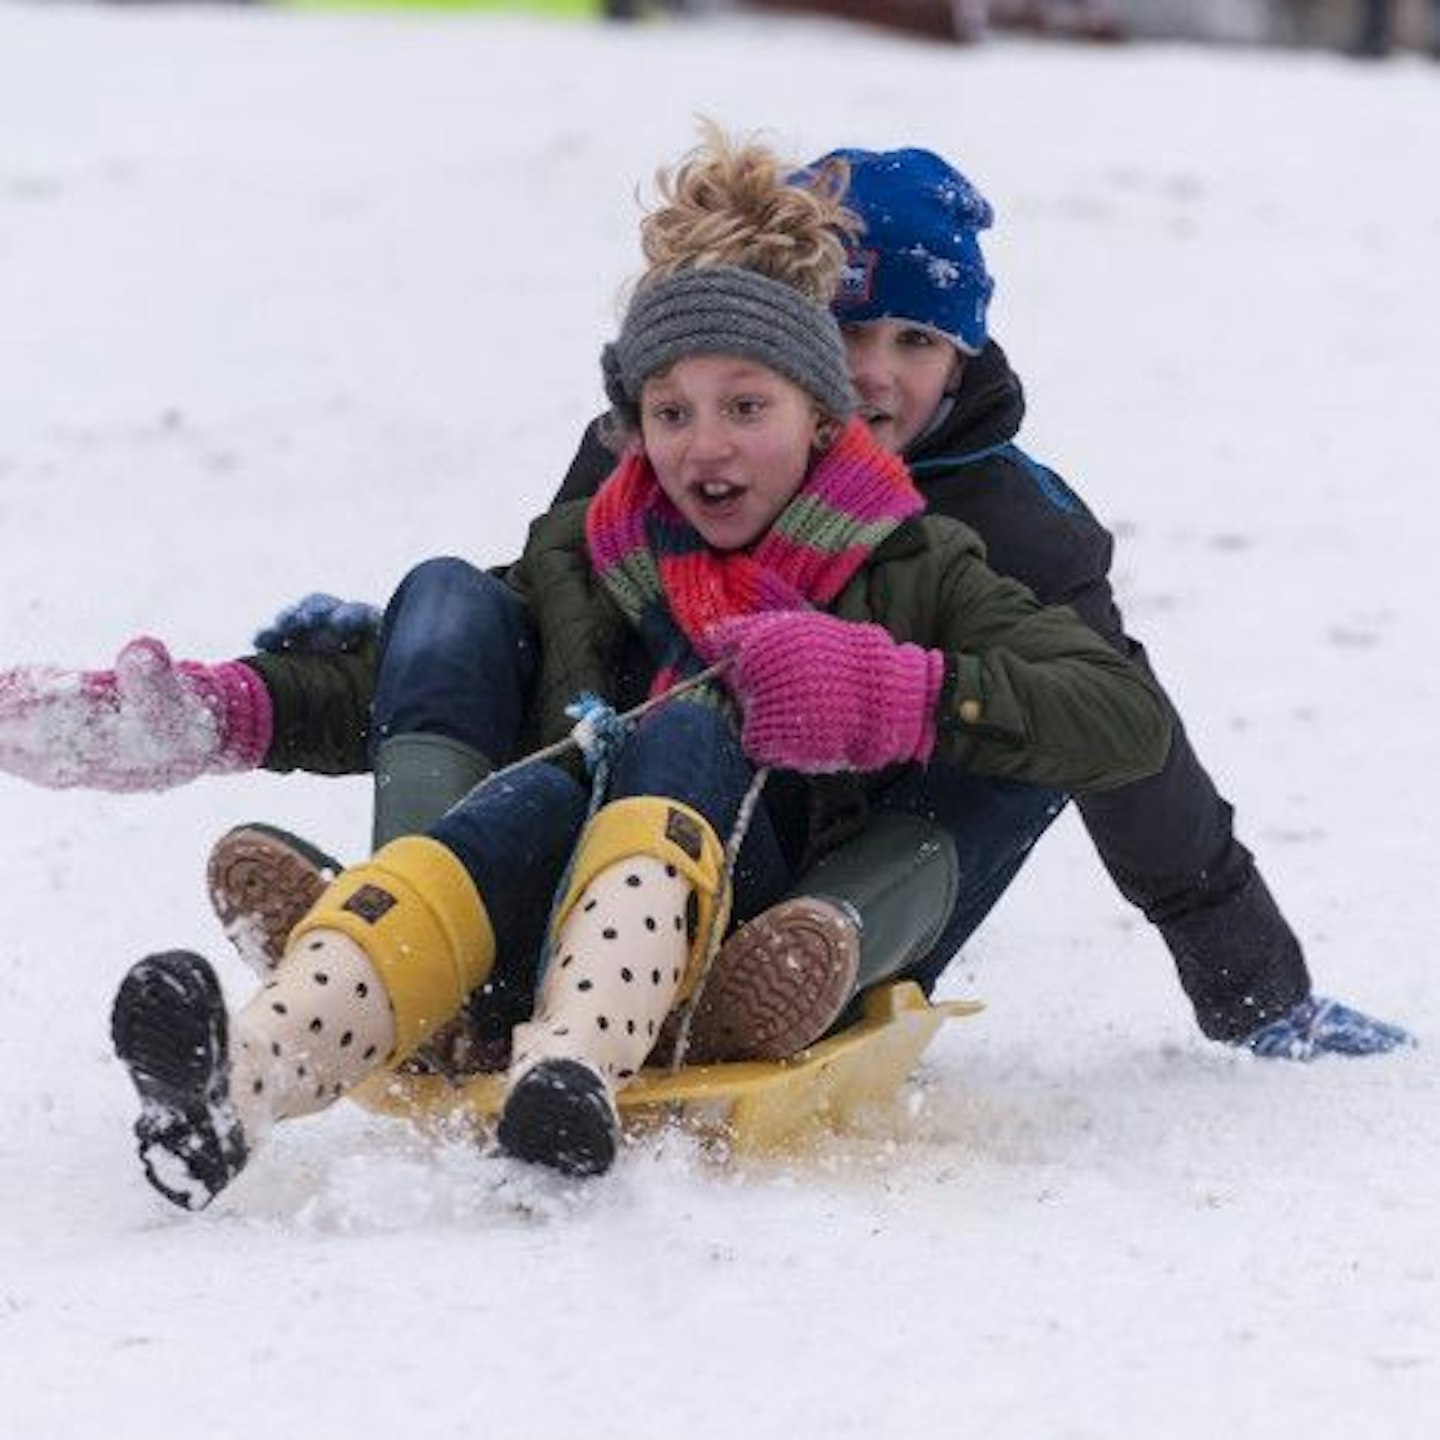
pixel 919 256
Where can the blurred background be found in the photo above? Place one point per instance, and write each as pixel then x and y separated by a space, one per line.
pixel 1366 29
pixel 1363 27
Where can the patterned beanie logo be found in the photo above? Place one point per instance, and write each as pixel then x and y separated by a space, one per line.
pixel 857 279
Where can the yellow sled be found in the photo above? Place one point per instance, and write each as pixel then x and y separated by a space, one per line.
pixel 758 1106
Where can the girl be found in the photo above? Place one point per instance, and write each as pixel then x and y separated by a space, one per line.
pixel 753 523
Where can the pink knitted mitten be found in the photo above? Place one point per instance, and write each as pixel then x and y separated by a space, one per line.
pixel 825 694
pixel 147 724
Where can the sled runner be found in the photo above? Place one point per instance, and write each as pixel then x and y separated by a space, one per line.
pixel 759 1107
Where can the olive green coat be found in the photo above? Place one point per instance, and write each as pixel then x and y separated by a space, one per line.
pixel 1030 694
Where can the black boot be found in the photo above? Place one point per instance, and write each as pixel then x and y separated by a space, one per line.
pixel 168 1025
pixel 559 1114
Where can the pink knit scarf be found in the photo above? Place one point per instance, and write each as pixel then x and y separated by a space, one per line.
pixel 674 588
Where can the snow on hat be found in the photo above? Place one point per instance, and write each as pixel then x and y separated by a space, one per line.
pixel 726 310
pixel 919 256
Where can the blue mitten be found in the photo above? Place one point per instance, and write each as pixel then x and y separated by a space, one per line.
pixel 1316 1026
pixel 320 625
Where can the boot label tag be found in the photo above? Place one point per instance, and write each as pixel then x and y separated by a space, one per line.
pixel 681 830
pixel 370 903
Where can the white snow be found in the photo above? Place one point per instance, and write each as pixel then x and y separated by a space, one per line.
pixel 289 301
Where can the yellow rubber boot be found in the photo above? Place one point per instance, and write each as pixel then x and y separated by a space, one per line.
pixel 623 952
pixel 388 955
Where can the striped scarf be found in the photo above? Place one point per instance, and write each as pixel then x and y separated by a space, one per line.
pixel 673 588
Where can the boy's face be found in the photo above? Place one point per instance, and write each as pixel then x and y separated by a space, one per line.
pixel 730 441
pixel 902 372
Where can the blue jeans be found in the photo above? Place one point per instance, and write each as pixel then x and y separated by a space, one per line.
pixel 515 837
pixel 458 658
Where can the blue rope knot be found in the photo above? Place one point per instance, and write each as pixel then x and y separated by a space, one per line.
pixel 599 732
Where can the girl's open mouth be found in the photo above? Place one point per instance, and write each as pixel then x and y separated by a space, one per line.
pixel 718 494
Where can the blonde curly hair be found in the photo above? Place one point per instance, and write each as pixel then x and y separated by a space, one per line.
pixel 731 202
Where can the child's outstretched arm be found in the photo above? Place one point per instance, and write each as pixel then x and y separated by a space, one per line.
pixel 148 724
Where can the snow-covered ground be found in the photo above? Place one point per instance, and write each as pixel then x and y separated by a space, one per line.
pixel 290 301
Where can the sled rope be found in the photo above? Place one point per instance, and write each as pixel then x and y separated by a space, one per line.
pixel 592 724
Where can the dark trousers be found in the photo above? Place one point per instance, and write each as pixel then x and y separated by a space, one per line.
pixel 1169 844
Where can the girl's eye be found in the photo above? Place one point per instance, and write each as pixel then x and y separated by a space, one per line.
pixel 748 407
pixel 916 339
pixel 666 414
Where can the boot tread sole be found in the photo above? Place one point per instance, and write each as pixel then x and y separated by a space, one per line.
pixel 778 984
pixel 262 881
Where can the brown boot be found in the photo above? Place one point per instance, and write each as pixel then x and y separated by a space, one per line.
pixel 261 881
pixel 777 985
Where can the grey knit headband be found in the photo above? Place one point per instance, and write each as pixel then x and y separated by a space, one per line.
pixel 724 310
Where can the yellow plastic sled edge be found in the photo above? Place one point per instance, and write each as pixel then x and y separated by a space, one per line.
pixel 761 1106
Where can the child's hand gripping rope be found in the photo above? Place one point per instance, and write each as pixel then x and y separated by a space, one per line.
pixel 825 694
